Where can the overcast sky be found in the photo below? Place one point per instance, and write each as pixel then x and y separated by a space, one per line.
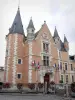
pixel 59 13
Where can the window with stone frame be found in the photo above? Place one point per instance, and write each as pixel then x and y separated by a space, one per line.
pixel 65 66
pixel 62 77
pixel 72 78
pixel 45 47
pixel 71 67
pixel 66 78
pixel 19 61
pixel 45 60
pixel 19 75
pixel 61 65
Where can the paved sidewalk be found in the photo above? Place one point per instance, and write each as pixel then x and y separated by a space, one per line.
pixel 31 97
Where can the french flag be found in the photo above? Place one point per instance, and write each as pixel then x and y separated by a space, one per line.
pixel 33 63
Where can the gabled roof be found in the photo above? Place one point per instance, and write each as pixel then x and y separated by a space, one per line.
pixel 30 25
pixel 17 26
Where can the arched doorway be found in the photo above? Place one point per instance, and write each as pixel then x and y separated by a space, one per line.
pixel 46 82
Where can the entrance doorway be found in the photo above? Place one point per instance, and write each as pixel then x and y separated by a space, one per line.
pixel 46 82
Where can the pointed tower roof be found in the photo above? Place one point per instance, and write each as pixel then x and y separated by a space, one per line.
pixel 30 25
pixel 56 32
pixel 17 26
pixel 65 39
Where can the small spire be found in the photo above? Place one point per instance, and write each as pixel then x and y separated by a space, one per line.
pixel 65 39
pixel 56 32
pixel 55 27
pixel 30 25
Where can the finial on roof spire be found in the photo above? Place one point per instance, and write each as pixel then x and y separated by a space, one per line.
pixel 17 26
pixel 18 4
pixel 31 17
pixel 44 21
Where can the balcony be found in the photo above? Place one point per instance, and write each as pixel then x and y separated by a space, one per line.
pixel 47 69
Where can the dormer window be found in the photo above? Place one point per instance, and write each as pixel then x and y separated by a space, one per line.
pixel 32 30
pixel 45 47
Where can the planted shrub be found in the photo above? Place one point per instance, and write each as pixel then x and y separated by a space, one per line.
pixel 6 85
pixel 73 87
pixel 19 86
pixel 61 81
pixel 1 85
pixel 52 83
pixel 31 85
pixel 40 85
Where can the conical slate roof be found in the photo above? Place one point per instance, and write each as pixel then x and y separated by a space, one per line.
pixel 17 26
pixel 65 39
pixel 30 25
pixel 56 32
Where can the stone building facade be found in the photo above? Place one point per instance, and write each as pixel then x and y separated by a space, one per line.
pixel 38 56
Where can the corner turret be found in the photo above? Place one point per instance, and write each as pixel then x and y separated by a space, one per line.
pixel 66 43
pixel 30 31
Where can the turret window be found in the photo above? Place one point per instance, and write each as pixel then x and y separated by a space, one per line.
pixel 19 75
pixel 32 30
pixel 19 61
pixel 6 52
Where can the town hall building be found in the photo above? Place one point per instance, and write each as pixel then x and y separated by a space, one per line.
pixel 37 57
